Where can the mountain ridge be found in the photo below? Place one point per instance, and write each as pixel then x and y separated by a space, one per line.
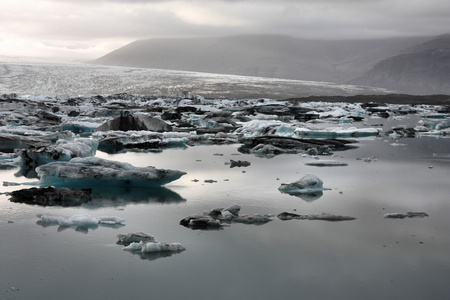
pixel 273 56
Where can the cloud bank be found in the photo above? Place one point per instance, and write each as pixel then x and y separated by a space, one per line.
pixel 90 28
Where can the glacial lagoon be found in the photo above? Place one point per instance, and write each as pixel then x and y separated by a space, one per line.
pixel 370 257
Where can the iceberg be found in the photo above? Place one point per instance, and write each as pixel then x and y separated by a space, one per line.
pixel 111 141
pixel 63 150
pixel 135 122
pixel 92 171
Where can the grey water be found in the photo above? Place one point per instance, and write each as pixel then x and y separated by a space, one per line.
pixel 368 258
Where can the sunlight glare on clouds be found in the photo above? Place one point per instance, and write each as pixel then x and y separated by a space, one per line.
pixel 199 14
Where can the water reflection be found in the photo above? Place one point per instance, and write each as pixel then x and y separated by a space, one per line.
pixel 83 228
pixel 121 196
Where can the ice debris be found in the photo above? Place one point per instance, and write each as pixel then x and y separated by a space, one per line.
pixel 219 217
pixel 90 172
pixel 405 215
pixel 323 216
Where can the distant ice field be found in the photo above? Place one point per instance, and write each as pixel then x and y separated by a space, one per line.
pixel 83 79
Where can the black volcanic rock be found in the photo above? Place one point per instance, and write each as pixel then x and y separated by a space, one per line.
pixel 51 196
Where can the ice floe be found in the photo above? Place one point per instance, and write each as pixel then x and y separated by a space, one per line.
pixel 93 171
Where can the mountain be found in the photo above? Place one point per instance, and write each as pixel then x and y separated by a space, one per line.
pixel 422 69
pixel 275 56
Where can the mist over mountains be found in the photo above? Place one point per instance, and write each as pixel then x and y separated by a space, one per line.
pixel 413 65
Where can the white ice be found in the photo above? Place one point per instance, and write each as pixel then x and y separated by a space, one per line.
pixel 78 220
pixel 152 247
pixel 307 184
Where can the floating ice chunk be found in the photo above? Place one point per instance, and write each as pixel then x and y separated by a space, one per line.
pixel 136 237
pixel 257 127
pixel 93 172
pixel 306 184
pixel 63 150
pixel 256 219
pixel 135 246
pixel 405 215
pixel 79 221
pixel 326 163
pixel 161 247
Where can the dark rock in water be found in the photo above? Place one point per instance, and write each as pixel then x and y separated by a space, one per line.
pixel 239 163
pixel 51 196
pixel 405 215
pixel 324 217
pixel 135 122
pixel 126 239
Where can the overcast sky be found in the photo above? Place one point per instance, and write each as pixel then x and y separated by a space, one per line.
pixel 87 29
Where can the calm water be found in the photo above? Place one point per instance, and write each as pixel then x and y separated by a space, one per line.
pixel 368 258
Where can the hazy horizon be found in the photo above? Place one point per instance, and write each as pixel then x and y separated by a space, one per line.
pixel 85 30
